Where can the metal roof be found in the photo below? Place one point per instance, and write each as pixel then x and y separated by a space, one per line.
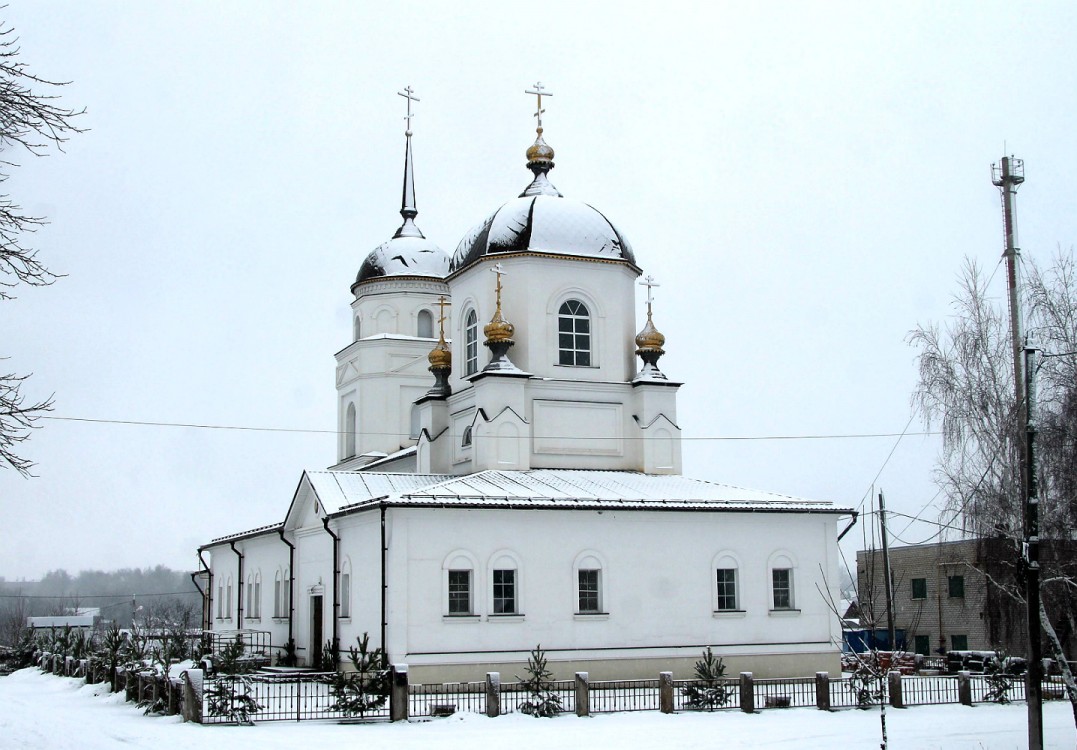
pixel 343 492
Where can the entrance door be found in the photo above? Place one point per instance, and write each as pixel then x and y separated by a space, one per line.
pixel 316 631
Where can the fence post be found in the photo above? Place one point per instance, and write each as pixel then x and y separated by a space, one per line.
pixel 583 694
pixel 747 692
pixel 493 694
pixel 964 688
pixel 822 691
pixel 665 692
pixel 398 697
pixel 192 695
pixel 894 678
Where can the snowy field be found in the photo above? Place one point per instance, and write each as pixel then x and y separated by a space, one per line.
pixel 46 712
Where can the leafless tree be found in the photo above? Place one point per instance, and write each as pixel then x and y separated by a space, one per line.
pixel 16 608
pixel 30 122
pixel 966 386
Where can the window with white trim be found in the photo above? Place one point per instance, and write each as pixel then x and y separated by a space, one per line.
pixel 349 431
pixel 726 597
pixel 460 592
pixel 782 587
pixel 589 583
pixel 573 334
pixel 257 595
pixel 471 343
pixel 286 597
pixel 250 598
pixel 277 600
pixel 504 580
pixel 220 601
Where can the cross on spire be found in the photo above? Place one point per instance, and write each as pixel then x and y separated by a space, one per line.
pixel 539 91
pixel 441 315
pixel 408 93
pixel 500 271
pixel 650 283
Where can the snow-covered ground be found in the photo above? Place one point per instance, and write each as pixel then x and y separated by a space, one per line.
pixel 46 712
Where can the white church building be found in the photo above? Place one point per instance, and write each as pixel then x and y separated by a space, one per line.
pixel 508 475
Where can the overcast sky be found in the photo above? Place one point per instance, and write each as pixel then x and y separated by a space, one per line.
pixel 804 180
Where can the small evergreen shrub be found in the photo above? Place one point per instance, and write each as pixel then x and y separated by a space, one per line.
pixel 330 657
pixel 367 688
pixel 999 681
pixel 710 691
pixel 288 657
pixel 542 701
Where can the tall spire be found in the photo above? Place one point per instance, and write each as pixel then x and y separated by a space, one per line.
pixel 539 155
pixel 408 208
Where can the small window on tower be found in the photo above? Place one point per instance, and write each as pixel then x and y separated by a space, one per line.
pixel 426 325
pixel 471 343
pixel 574 334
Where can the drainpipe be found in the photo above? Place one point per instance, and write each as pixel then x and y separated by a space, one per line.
pixel 207 611
pixel 291 580
pixel 239 596
pixel 384 585
pixel 336 588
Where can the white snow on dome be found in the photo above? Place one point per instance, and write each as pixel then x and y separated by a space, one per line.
pixel 405 256
pixel 545 224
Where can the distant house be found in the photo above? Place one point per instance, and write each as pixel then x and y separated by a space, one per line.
pixel 946 598
pixel 86 618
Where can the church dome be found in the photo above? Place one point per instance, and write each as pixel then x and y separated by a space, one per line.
pixel 543 222
pixel 405 255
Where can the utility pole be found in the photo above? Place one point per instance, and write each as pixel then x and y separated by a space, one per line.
pixel 1007 177
pixel 891 633
pixel 1032 557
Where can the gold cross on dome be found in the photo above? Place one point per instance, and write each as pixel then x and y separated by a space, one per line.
pixel 407 93
pixel 539 91
pixel 650 283
pixel 441 315
pixel 500 272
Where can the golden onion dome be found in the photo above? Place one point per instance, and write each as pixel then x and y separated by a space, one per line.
pixel 498 329
pixel 649 339
pixel 440 357
pixel 540 152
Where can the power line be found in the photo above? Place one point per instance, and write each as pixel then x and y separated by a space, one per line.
pixel 93 596
pixel 242 428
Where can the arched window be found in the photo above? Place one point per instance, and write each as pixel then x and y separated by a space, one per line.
pixel 250 597
pixel 349 432
pixel 220 601
pixel 286 597
pixel 426 325
pixel 726 589
pixel 459 585
pixel 228 599
pixel 782 581
pixel 465 440
pixel 504 584
pixel 471 343
pixel 590 594
pixel 356 328
pixel 256 612
pixel 346 589
pixel 278 598
pixel 574 334
pixel 414 431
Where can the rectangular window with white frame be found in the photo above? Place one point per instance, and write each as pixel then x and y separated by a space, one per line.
pixel 504 592
pixel 727 590
pixel 782 580
pixel 590 589
pixel 459 592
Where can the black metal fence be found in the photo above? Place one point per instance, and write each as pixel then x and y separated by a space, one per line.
pixel 279 697
pixel 447 698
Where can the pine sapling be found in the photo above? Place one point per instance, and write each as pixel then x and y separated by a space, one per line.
pixel 542 700
pixel 367 688
pixel 710 690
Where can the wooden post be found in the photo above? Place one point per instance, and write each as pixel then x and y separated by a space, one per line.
pixel 398 697
pixel 583 694
pixel 493 694
pixel 665 692
pixel 822 691
pixel 747 693
pixel 964 688
pixel 896 699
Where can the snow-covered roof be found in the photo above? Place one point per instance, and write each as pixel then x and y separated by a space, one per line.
pixel 345 492
pixel 267 529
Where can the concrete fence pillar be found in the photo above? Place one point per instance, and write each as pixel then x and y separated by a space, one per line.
pixel 493 694
pixel 964 688
pixel 398 695
pixel 894 680
pixel 583 694
pixel 747 692
pixel 130 686
pixel 822 691
pixel 69 666
pixel 192 695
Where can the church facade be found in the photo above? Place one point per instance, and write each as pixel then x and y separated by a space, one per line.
pixel 507 475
